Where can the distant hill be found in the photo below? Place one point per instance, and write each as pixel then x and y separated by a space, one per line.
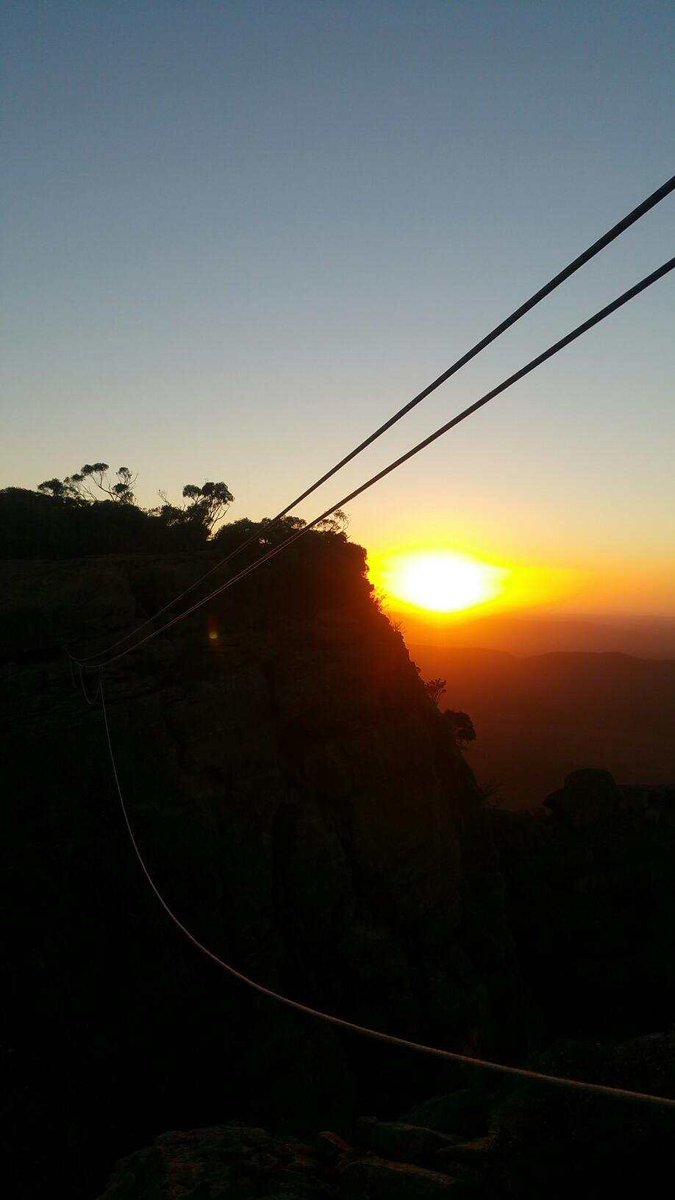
pixel 541 716
pixel 536 632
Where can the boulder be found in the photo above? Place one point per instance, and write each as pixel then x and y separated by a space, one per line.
pixel 463 1113
pixel 378 1179
pixel 587 797
pixel 396 1139
pixel 473 1153
pixel 231 1162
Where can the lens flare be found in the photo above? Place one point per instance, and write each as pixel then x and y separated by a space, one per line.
pixel 440 581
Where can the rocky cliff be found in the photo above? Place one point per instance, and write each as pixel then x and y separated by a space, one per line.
pixel 303 807
pixel 590 880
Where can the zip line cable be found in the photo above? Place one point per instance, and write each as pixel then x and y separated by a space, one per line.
pixel 377 1034
pixel 613 233
pixel 630 294
pixel 307 1010
pixel 467 412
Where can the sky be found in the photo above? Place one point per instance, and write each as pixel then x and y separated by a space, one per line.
pixel 238 236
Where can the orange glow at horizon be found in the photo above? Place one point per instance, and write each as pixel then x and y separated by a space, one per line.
pixel 447 584
pixel 438 581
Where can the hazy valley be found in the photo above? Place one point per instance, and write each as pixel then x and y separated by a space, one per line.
pixel 539 717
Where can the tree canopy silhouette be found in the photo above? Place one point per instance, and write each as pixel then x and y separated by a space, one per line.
pixel 95 511
pixel 462 727
pixel 84 484
pixel 461 724
pixel 204 507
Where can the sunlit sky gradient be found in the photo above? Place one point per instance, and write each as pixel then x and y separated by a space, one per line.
pixel 237 236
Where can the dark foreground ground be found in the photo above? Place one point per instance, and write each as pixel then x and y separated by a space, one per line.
pixel 469 1143
pixel 306 810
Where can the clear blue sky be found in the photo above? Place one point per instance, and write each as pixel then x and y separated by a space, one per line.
pixel 239 235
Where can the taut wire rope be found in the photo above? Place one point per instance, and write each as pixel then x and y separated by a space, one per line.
pixel 616 230
pixel 599 316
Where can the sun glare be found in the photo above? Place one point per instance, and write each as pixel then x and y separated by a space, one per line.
pixel 439 581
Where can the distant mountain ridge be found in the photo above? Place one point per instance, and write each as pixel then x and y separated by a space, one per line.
pixel 615 678
pixel 539 717
pixel 532 632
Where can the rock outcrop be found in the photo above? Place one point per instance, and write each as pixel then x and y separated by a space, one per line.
pixel 537 1140
pixel 302 806
pixel 590 880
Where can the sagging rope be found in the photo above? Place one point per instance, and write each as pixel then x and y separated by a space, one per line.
pixel 379 1035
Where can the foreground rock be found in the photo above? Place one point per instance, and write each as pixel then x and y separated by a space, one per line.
pixel 473 1153
pixel 397 1139
pixel 464 1114
pixel 236 1162
pixel 546 1141
pixel 228 1161
pixel 305 810
pixel 377 1179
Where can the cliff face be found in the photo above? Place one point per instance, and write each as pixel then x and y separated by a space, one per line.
pixel 306 813
pixel 591 897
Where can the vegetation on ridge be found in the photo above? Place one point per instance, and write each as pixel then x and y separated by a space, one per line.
pixel 92 512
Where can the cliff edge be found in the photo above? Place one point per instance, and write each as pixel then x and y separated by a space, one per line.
pixel 304 809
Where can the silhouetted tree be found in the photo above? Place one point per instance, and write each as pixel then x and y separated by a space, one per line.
pixel 60 489
pixel 94 512
pixel 235 533
pixel 208 503
pixel 435 688
pixel 273 534
pixel 90 479
pixel 336 523
pixel 462 727
pixel 203 508
pixel 265 533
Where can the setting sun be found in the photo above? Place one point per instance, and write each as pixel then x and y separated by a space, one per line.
pixel 440 580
